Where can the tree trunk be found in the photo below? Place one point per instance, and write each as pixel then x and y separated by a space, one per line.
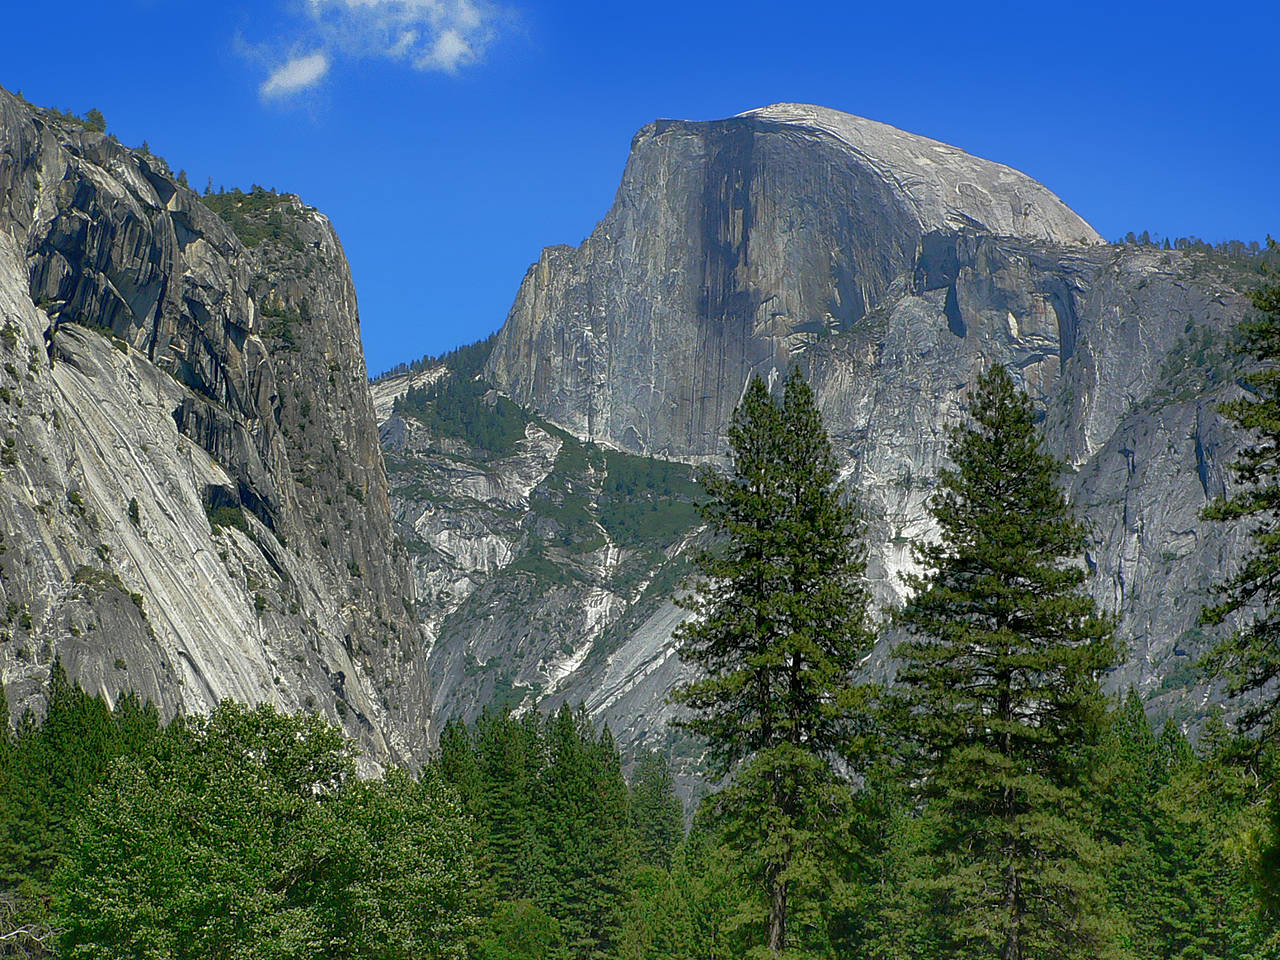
pixel 777 916
pixel 1013 899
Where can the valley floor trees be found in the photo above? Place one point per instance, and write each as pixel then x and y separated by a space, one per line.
pixel 1000 682
pixel 779 629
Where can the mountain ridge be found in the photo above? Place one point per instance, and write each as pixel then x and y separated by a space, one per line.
pixel 745 246
pixel 194 500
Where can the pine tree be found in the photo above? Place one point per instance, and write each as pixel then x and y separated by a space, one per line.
pixel 656 812
pixel 1249 658
pixel 1145 874
pixel 584 826
pixel 779 632
pixel 999 676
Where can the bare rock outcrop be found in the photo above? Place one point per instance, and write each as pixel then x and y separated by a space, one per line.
pixel 193 501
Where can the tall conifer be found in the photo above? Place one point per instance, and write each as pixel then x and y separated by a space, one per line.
pixel 1249 658
pixel 779 631
pixel 1000 678
pixel 656 813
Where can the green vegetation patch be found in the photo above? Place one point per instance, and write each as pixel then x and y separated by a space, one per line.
pixel 647 502
pixel 257 216
pixel 1202 360
pixel 227 517
pixel 467 409
pixel 466 361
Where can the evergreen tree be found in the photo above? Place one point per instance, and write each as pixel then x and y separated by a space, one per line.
pixel 1129 773
pixel 6 733
pixel 55 765
pixel 687 912
pixel 585 827
pixel 511 753
pixel 1000 679
pixel 1206 809
pixel 778 633
pixel 1249 658
pixel 656 813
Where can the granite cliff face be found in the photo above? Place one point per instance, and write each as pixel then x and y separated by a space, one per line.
pixel 193 502
pixel 892 269
pixel 731 247
pixel 545 569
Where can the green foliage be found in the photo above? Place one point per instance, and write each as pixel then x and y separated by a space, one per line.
pixel 556 840
pixel 93 120
pixel 287 855
pixel 646 501
pixel 656 813
pixel 243 834
pixel 779 631
pixel 1201 361
pixel 519 930
pixel 1178 873
pixel 257 216
pixel 690 912
pixel 465 408
pixel 1249 658
pixel 282 324
pixel 466 361
pixel 227 517
pixel 999 687
pixel 134 516
pixel 47 772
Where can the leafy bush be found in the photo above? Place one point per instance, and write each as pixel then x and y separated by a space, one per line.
pixel 227 517
pixel 247 834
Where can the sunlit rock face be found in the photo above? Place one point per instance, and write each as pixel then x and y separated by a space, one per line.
pixel 160 371
pixel 892 269
pixel 732 247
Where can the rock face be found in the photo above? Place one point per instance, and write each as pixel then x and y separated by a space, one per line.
pixel 545 570
pixel 731 247
pixel 892 269
pixel 194 501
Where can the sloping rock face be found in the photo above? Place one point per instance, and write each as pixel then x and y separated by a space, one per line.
pixel 194 504
pixel 540 566
pixel 893 269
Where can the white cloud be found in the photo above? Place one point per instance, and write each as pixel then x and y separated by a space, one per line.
pixel 450 51
pixel 442 36
pixel 295 75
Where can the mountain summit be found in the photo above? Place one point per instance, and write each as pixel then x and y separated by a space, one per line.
pixel 949 189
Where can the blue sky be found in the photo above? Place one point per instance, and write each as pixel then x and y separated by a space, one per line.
pixel 450 140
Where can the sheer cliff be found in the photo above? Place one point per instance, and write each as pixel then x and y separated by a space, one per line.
pixel 194 503
pixel 892 268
